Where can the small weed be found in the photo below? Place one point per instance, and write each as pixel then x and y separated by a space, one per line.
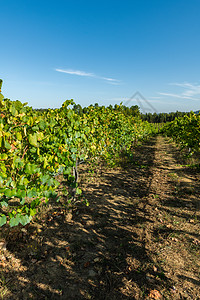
pixel 91 172
pixel 176 222
pixel 143 166
pixel 161 275
pixel 194 248
pixel 3 284
pixel 174 176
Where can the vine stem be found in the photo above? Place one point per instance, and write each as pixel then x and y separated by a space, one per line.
pixel 25 150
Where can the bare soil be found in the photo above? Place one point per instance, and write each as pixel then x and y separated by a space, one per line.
pixel 138 238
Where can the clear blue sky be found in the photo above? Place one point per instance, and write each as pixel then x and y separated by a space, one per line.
pixel 101 51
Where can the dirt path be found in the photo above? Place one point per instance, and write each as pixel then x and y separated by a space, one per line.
pixel 138 239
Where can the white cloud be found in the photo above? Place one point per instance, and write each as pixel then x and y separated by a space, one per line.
pixel 190 92
pixel 83 73
pixel 109 79
pixel 73 72
pixel 184 84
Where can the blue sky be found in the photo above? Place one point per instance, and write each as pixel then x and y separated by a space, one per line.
pixel 101 51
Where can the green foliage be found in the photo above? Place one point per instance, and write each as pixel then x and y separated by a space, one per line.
pixel 162 117
pixel 35 147
pixel 186 131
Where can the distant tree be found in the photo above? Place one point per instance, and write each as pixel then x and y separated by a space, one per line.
pixel 135 110
pixel 78 109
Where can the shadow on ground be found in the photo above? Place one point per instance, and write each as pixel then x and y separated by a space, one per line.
pixel 94 252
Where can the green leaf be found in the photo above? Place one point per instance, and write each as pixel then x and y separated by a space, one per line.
pixel 35 128
pixel 18 162
pixel 87 203
pixel 19 136
pixel 28 169
pixel 30 194
pixel 8 193
pixel 32 212
pixel 50 182
pixel 23 181
pixel 73 157
pixel 35 203
pixel 14 221
pixel 21 193
pixel 47 194
pixel 32 138
pixel 4 203
pixel 13 111
pixel 45 178
pixel 13 184
pixel 67 171
pixel 74 150
pixel 40 136
pixel 22 201
pixel 24 220
pixel 78 191
pixel 3 220
pixel 4 156
pixel 1 97
pixel 33 150
pixel 42 124
pixel 7 145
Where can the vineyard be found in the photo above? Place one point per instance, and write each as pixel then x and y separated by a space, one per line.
pixel 186 132
pixel 36 147
pixel 97 205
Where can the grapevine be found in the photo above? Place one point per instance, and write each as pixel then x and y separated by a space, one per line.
pixel 36 147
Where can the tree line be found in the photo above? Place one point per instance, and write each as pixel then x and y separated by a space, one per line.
pixel 130 111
